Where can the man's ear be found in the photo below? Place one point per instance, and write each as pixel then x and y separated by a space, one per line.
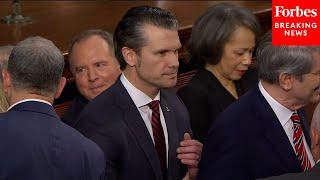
pixel 61 85
pixel 286 81
pixel 6 80
pixel 129 56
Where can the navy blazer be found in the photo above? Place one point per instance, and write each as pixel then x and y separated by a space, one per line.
pixel 113 121
pixel 72 115
pixel 36 145
pixel 248 142
pixel 312 174
pixel 205 98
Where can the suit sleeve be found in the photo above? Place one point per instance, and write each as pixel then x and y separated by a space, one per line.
pixel 93 126
pixel 196 103
pixel 224 154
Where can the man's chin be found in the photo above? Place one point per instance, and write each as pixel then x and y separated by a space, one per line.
pixel 91 96
pixel 169 85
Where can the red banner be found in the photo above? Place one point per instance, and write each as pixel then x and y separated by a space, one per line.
pixel 296 22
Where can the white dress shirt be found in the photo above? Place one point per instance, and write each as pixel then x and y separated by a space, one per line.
pixel 26 100
pixel 141 100
pixel 283 114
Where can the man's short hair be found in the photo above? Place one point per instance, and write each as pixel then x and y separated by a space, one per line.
pixel 36 65
pixel 273 60
pixel 84 35
pixel 129 32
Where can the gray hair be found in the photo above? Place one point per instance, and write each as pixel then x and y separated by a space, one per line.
pixel 36 65
pixel 315 123
pixel 273 60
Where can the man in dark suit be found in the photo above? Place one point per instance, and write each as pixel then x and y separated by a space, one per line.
pixel 35 144
pixel 94 67
pixel 143 129
pixel 313 173
pixel 264 133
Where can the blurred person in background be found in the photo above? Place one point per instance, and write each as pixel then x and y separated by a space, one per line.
pixel 4 56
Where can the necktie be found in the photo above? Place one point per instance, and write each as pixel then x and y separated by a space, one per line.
pixel 298 143
pixel 158 134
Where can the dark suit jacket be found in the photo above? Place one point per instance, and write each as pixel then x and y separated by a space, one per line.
pixel 36 145
pixel 313 174
pixel 113 121
pixel 72 115
pixel 206 98
pixel 247 141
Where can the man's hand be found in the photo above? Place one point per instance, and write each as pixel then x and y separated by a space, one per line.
pixel 189 153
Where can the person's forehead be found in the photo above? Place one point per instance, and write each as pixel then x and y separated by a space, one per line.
pixel 155 36
pixel 92 46
pixel 93 41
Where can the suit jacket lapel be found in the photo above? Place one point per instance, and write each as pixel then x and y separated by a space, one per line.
pixel 275 133
pixel 172 136
pixel 135 123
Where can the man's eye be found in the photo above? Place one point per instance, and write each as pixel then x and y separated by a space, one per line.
pixel 162 53
pixel 80 70
pixel 100 65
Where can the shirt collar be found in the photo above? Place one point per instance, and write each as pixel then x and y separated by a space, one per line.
pixel 282 113
pixel 139 98
pixel 26 100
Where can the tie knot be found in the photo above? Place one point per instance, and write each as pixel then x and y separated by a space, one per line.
pixel 154 105
pixel 295 118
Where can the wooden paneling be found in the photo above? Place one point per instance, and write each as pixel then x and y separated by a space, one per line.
pixel 60 20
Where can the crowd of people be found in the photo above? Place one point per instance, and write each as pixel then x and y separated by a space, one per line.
pixel 238 118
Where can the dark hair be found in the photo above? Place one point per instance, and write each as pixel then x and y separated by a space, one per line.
pixel 212 30
pixel 84 35
pixel 36 65
pixel 129 31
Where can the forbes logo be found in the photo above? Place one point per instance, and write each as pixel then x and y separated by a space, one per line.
pixel 297 12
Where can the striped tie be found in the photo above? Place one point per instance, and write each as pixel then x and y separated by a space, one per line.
pixel 298 143
pixel 158 134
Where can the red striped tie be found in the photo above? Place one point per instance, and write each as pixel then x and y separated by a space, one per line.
pixel 298 143
pixel 158 134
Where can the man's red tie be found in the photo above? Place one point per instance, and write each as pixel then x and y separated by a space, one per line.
pixel 298 143
pixel 158 134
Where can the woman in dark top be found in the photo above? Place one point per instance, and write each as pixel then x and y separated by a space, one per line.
pixel 221 44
